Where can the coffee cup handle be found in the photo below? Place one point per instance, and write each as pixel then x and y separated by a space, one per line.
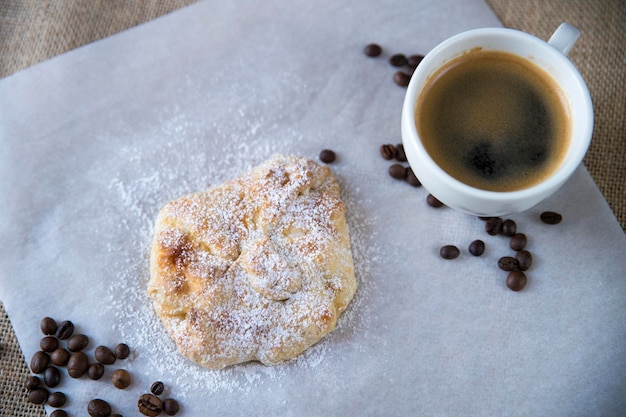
pixel 564 38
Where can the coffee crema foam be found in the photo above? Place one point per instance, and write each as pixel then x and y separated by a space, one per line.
pixel 494 121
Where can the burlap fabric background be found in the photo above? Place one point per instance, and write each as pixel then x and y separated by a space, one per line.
pixel 32 31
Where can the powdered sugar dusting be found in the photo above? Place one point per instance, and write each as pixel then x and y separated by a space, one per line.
pixel 141 194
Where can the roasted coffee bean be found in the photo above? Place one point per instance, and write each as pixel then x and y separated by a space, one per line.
pixel 95 371
pixel 77 365
pixel 48 326
pixel 477 247
pixel 327 156
pixel 170 406
pixel 398 171
pixel 432 201
pixel 509 227
pixel 77 342
pixel 51 377
pixel 400 155
pixel 550 217
pixel 56 399
pixel 49 344
pixel 449 252
pixel 65 330
pixel 39 362
pixel 398 60
pixel 59 413
pixel 98 408
pixel 401 78
pixel 122 351
pixel 493 226
pixel 388 151
pixel 120 379
pixel 157 388
pixel 38 396
pixel 518 241
pixel 508 263
pixel 525 259
pixel 414 60
pixel 115 415
pixel 411 178
pixel 516 280
pixel 149 405
pixel 32 382
pixel 373 50
pixel 60 357
pixel 104 355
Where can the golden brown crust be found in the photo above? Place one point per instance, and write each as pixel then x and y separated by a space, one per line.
pixel 258 268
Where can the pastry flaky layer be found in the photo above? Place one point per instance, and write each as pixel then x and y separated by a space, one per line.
pixel 258 268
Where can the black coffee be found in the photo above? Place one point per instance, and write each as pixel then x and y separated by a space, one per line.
pixel 494 121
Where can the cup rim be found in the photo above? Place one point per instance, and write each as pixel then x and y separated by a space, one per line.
pixel 574 153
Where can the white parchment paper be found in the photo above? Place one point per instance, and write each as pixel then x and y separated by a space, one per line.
pixel 95 141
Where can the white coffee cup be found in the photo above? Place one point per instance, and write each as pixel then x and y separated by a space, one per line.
pixel 551 56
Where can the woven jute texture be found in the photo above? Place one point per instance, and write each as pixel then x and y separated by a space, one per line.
pixel 32 31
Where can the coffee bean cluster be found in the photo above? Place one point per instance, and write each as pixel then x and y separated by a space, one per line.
pixel 518 262
pixel 61 347
pixel 515 266
pixel 151 405
pixel 399 169
pixel 404 65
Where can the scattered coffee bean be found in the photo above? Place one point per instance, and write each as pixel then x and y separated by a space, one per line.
pixel 51 377
pixel 518 241
pixel 449 252
pixel 120 379
pixel 38 396
pixel 373 50
pixel 327 156
pixel 398 171
pixel 122 351
pixel 59 413
pixel 115 415
pixel 157 388
pixel 508 263
pixel 104 355
pixel 48 326
pixel 60 357
pixel 170 406
pixel 493 226
pixel 39 362
pixel 525 259
pixel 56 399
pixel 411 178
pixel 77 342
pixel 77 365
pixel 414 60
pixel 509 227
pixel 95 371
pixel 401 78
pixel 477 247
pixel 400 155
pixel 550 217
pixel 32 382
pixel 388 151
pixel 49 344
pixel 516 280
pixel 98 408
pixel 149 405
pixel 432 201
pixel 65 330
pixel 398 60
